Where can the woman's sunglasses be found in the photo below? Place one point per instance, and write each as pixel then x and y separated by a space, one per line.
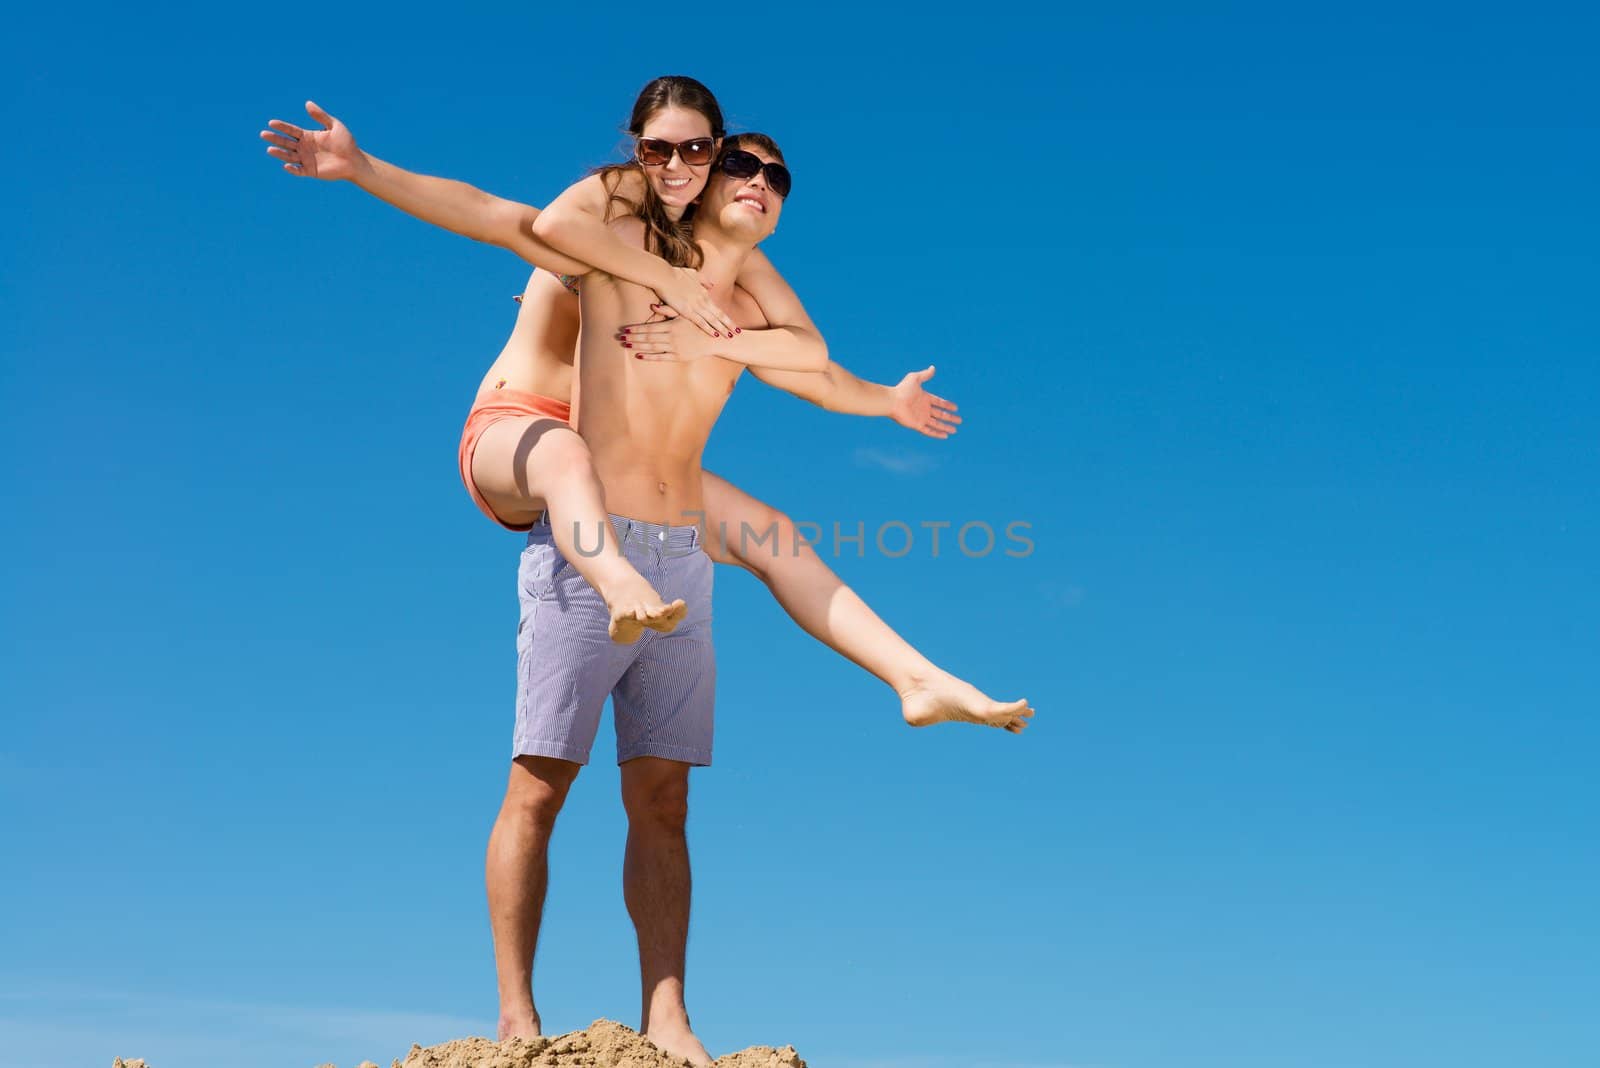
pixel 737 163
pixel 654 152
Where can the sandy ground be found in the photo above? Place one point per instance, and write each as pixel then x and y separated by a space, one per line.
pixel 603 1044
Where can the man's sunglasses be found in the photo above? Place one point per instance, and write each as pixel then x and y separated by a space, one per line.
pixel 737 163
pixel 654 152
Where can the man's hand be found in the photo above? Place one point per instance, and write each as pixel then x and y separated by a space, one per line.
pixel 673 339
pixel 916 409
pixel 330 153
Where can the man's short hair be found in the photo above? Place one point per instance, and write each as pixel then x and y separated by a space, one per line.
pixel 747 141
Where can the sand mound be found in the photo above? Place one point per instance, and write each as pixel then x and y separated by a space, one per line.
pixel 603 1044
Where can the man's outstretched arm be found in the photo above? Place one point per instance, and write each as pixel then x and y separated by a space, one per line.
pixel 831 386
pixel 837 390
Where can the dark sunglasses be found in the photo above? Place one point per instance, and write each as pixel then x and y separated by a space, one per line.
pixel 737 163
pixel 654 152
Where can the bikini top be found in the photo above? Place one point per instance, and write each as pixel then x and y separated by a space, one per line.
pixel 568 280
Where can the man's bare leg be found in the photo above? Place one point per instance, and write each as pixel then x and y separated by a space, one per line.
pixel 517 873
pixel 655 885
pixel 829 611
pixel 526 464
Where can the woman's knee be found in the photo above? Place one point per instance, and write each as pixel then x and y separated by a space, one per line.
pixel 516 458
pixel 561 460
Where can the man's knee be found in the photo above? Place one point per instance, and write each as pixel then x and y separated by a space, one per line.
pixel 538 786
pixel 656 791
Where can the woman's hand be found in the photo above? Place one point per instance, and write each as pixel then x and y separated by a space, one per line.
pixel 330 154
pixel 916 409
pixel 672 339
pixel 686 295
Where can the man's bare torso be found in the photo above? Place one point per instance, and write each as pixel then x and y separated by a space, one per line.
pixel 647 421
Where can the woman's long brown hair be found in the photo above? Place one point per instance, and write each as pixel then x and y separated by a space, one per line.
pixel 668 238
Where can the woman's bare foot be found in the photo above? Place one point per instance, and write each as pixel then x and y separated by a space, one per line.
pixel 634 605
pixel 518 1025
pixel 939 697
pixel 679 1041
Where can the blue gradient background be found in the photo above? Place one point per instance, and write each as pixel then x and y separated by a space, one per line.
pixel 1278 326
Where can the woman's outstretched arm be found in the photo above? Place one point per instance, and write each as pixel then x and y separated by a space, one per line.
pixel 332 154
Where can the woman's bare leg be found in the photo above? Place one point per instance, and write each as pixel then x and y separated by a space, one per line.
pixel 830 612
pixel 527 464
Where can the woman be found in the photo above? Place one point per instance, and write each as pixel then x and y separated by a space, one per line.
pixel 519 455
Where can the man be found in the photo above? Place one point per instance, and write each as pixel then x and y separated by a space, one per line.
pixel 646 424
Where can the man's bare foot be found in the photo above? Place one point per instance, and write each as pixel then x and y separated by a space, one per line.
pixel 635 605
pixel 679 1041
pixel 518 1025
pixel 940 697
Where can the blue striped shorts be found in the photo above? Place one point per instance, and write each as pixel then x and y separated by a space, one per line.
pixel 662 686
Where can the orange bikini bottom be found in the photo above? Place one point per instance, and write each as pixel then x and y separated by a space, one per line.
pixel 489 409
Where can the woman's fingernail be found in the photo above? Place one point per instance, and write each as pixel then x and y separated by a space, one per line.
pixel 627 344
pixel 738 330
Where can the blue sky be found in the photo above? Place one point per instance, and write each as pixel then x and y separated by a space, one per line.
pixel 1278 327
